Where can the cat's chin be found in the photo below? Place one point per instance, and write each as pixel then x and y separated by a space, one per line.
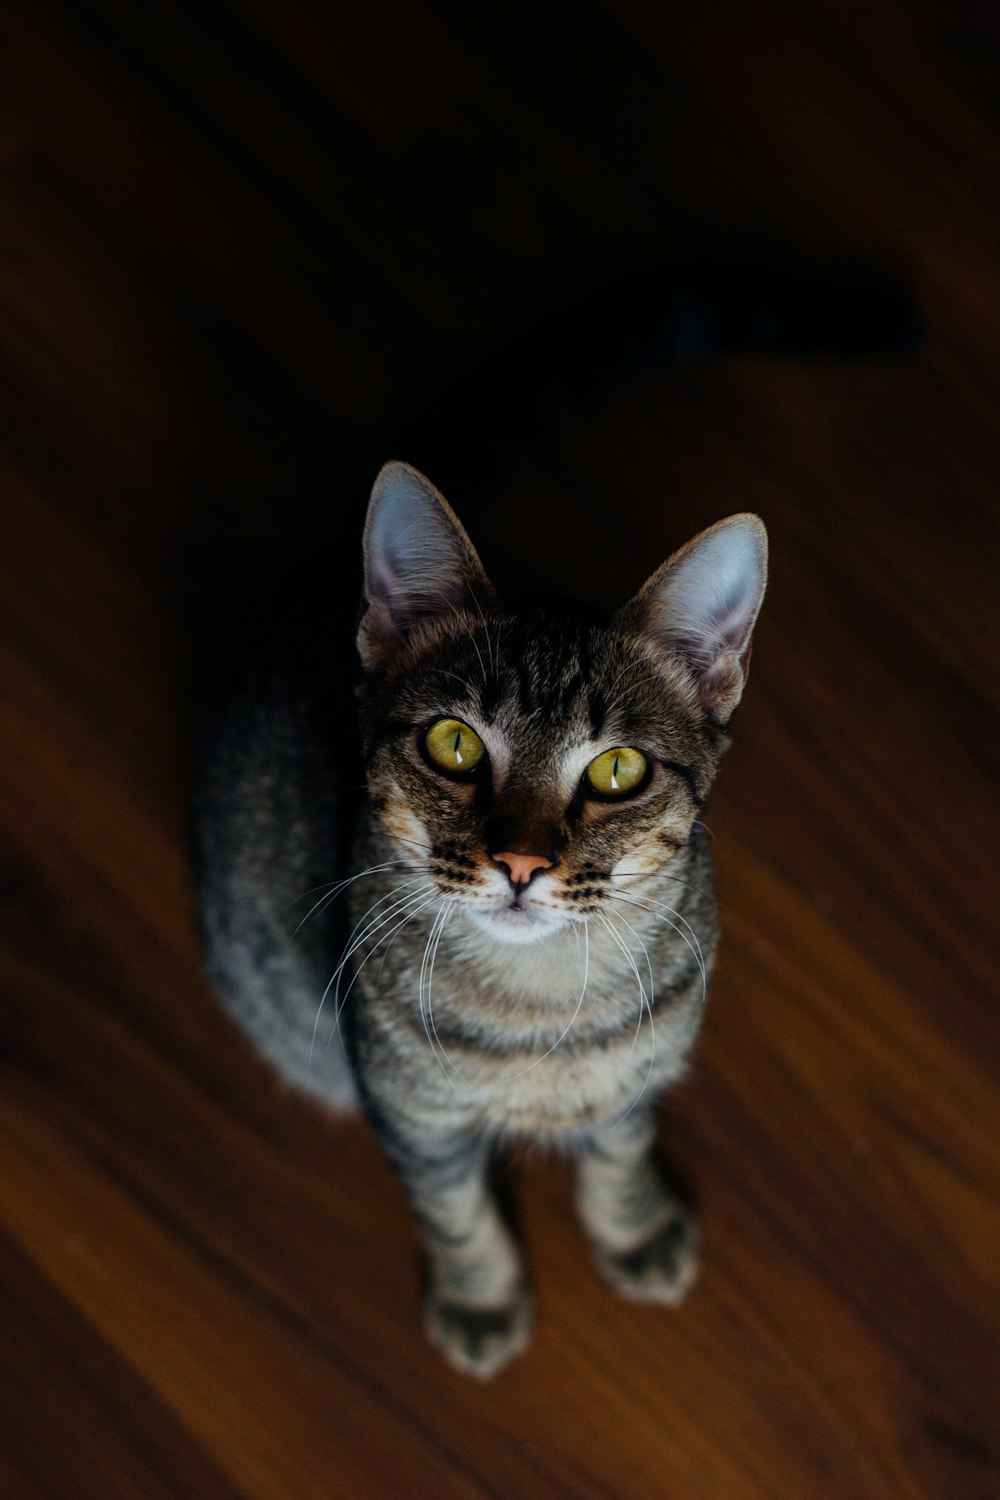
pixel 516 925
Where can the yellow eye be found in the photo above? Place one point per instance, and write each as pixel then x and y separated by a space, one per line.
pixel 453 746
pixel 616 773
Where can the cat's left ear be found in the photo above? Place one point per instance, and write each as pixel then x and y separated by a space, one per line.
pixel 419 563
pixel 701 605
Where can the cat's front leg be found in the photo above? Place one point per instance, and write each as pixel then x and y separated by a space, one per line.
pixel 645 1238
pixel 478 1310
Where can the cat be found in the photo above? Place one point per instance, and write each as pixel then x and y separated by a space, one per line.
pixel 530 887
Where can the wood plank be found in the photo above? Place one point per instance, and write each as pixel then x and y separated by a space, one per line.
pixel 240 243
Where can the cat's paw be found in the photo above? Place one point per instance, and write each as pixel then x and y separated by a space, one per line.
pixel 480 1340
pixel 661 1269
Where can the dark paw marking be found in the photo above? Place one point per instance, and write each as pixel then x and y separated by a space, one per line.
pixel 479 1340
pixel 661 1269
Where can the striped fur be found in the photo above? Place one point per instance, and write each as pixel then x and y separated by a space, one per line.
pixel 476 1008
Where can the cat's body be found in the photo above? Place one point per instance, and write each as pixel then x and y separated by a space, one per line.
pixel 530 888
pixel 542 1040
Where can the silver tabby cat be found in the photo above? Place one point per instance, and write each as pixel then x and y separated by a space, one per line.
pixel 531 891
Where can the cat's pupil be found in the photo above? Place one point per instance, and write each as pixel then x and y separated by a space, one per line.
pixel 458 741
pixel 614 773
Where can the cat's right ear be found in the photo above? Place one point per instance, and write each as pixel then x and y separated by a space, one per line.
pixel 701 607
pixel 419 563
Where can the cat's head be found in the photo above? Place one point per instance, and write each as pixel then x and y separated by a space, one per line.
pixel 531 762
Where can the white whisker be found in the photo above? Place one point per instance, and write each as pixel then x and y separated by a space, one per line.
pixel 352 945
pixel 569 1025
pixel 494 666
pixel 375 945
pixel 475 646
pixel 357 936
pixel 424 848
pixel 386 936
pixel 664 913
pixel 443 672
pixel 645 1003
pixel 614 702
pixel 334 890
pixel 642 988
pixel 430 955
pixel 661 875
pixel 645 953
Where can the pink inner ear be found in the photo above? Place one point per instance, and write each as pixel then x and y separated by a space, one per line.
pixel 418 560
pixel 723 679
pixel 734 627
pixel 703 604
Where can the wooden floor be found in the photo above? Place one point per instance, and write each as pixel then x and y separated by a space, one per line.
pixel 240 242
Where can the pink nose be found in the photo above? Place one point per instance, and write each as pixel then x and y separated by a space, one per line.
pixel 521 867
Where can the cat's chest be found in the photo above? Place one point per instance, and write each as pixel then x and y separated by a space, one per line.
pixel 545 1074
pixel 577 973
pixel 547 1037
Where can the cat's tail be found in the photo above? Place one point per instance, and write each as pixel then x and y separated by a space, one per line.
pixel 267 861
pixel 480 430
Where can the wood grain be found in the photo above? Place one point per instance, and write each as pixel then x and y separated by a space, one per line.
pixel 240 243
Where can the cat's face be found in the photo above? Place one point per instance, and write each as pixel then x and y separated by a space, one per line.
pixel 531 764
pixel 544 706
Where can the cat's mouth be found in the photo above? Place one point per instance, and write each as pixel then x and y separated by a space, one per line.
pixel 516 920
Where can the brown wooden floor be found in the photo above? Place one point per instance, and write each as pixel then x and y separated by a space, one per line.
pixel 237 239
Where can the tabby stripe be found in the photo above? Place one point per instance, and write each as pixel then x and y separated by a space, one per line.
pixel 598 708
pixel 523 685
pixel 433 1230
pixel 473 1043
pixel 686 773
pixel 415 1164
